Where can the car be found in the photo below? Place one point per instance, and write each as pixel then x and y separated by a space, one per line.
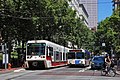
pixel 97 62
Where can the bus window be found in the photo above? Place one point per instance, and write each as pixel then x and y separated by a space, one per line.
pixel 71 55
pixel 80 55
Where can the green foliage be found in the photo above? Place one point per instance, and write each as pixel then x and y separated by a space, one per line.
pixel 108 32
pixel 0 56
pixel 53 20
pixel 14 54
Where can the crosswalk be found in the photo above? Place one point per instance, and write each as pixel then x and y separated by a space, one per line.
pixel 84 69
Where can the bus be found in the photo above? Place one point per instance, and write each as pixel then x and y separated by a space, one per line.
pixel 78 57
pixel 45 54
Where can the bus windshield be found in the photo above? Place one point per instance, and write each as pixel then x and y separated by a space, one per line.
pixel 36 49
pixel 80 55
pixel 71 55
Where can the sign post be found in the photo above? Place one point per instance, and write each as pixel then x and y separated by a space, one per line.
pixel 5 56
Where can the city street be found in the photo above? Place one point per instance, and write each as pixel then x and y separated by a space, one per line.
pixel 56 34
pixel 61 73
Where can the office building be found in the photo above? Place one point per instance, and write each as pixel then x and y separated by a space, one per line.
pixel 116 4
pixel 80 11
pixel 92 9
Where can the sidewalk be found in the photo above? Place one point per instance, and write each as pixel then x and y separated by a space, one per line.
pixel 2 71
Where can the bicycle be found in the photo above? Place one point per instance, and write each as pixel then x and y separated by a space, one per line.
pixel 111 71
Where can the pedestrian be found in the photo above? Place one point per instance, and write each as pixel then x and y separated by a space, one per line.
pixel 107 61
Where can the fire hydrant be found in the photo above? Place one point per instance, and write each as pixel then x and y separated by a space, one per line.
pixel 9 66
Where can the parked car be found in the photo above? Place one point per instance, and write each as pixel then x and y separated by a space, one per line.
pixel 97 62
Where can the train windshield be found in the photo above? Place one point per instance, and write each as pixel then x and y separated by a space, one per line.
pixel 36 49
pixel 71 55
pixel 80 55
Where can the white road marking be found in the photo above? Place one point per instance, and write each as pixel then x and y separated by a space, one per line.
pixel 19 70
pixel 84 69
pixel 81 70
pixel 87 68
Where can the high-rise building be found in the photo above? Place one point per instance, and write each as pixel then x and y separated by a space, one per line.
pixel 116 4
pixel 92 9
pixel 80 11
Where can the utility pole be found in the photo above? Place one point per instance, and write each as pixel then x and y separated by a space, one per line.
pixel 4 45
pixel 5 61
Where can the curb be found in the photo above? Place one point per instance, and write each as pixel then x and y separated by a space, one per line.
pixel 22 69
pixel 2 71
pixel 5 71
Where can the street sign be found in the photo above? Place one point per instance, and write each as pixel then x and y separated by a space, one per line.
pixel 103 44
pixel 5 58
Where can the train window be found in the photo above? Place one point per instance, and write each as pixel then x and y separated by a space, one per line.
pixel 64 55
pixel 60 55
pixel 51 51
pixel 36 48
pixel 56 55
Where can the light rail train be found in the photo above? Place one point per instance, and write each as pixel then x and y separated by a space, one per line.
pixel 45 54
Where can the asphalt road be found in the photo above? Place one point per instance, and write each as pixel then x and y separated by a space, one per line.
pixel 62 73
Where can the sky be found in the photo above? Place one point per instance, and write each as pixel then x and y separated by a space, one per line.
pixel 105 9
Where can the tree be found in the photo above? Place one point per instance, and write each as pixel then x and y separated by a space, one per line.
pixel 54 20
pixel 108 32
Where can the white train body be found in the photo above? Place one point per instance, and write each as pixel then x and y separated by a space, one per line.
pixel 45 54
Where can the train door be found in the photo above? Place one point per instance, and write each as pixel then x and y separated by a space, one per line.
pixel 49 53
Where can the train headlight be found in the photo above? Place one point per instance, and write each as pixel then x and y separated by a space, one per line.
pixel 42 56
pixel 27 57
